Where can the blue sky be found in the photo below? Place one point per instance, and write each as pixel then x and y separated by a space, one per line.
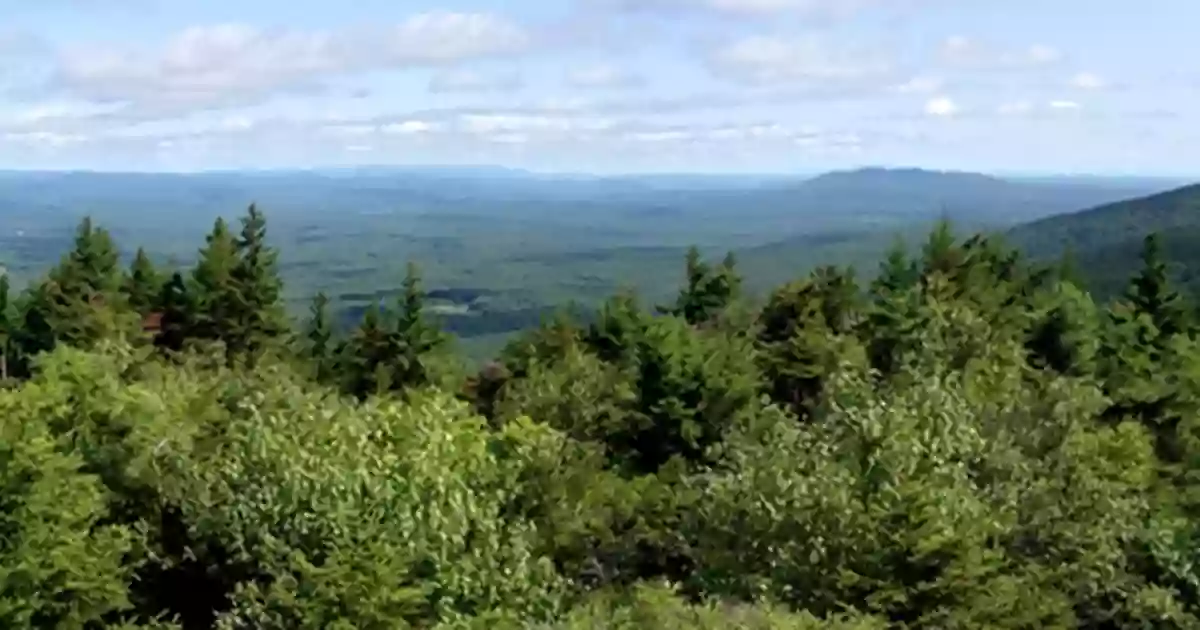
pixel 1064 86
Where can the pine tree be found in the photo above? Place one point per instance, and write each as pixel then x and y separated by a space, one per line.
pixel 613 336
pixel 178 310
pixel 897 272
pixel 1150 292
pixel 416 339
pixel 214 290
pixel 940 255
pixel 318 343
pixel 80 301
pixel 260 317
pixel 708 291
pixel 368 355
pixel 143 284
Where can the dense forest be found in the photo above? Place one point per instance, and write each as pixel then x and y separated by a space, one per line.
pixel 967 440
pixel 500 250
pixel 1106 241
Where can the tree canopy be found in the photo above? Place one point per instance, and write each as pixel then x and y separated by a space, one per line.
pixel 968 441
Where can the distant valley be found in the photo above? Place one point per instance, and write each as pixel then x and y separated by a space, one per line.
pixel 502 249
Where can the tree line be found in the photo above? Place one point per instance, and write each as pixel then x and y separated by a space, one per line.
pixel 964 440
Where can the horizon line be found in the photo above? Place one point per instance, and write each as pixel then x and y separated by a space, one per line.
pixel 518 170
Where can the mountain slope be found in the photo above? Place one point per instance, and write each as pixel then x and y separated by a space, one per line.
pixel 971 200
pixel 1107 240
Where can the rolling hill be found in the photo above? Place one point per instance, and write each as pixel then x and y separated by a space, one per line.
pixel 1107 240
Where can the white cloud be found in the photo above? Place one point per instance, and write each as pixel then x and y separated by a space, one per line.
pixel 600 76
pixel 44 139
pixel 941 107
pixel 775 60
pixel 921 85
pixel 1063 104
pixel 472 81
pixel 1088 81
pixel 214 65
pixel 1040 54
pixel 446 36
pixel 409 127
pixel 966 52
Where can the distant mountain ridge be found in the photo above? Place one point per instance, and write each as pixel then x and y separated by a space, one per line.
pixel 1106 241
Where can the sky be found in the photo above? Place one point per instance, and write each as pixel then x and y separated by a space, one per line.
pixel 604 86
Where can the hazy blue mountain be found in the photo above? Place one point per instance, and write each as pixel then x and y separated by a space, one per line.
pixel 529 241
pixel 1107 240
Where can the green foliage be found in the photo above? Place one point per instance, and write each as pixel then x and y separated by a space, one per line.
pixel 968 442
pixel 397 349
pixel 261 318
pixel 79 303
pixel 708 290
pixel 142 284
pixel 61 565
pixel 8 326
pixel 214 288
pixel 317 342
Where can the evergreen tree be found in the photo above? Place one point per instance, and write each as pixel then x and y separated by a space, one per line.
pixel 143 284
pixel 415 338
pixel 318 343
pixel 178 309
pixel 80 301
pixel 613 336
pixel 897 272
pixel 800 335
pixel 708 291
pixel 214 289
pixel 1065 335
pixel 368 355
pixel 260 317
pixel 940 254
pixel 1150 292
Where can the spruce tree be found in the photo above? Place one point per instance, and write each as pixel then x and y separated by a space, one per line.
pixel 80 301
pixel 1150 291
pixel 318 343
pixel 708 291
pixel 368 355
pixel 143 284
pixel 260 316
pixel 178 309
pixel 215 293
pixel 897 272
pixel 415 338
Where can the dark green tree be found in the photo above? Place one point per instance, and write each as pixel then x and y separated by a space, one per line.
pixel 318 345
pixel 143 284
pixel 260 318
pixel 800 335
pixel 1150 292
pixel 178 308
pixel 708 291
pixel 80 301
pixel 614 334
pixel 415 339
pixel 216 295
pixel 367 356
pixel 897 272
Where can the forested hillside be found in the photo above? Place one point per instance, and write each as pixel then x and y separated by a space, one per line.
pixel 1106 241
pixel 968 441
pixel 502 249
